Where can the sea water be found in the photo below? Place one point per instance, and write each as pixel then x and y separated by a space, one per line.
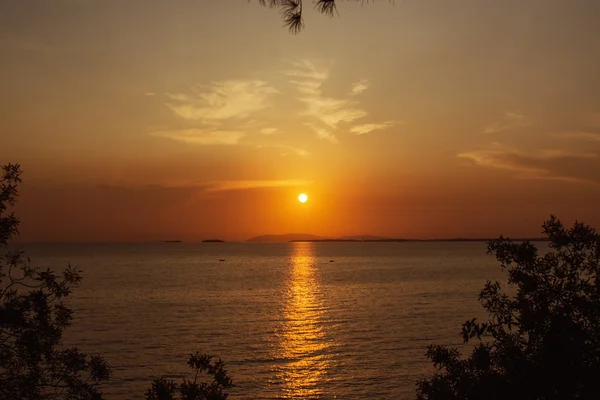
pixel 290 320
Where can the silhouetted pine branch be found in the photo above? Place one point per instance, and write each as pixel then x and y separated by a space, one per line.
pixel 291 10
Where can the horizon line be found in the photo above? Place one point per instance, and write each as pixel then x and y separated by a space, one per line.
pixel 320 240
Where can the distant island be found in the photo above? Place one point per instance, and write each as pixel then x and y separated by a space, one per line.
pixel 213 241
pixel 305 237
pixel 172 241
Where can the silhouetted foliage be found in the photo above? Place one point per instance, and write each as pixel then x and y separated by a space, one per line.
pixel 292 10
pixel 541 341
pixel 11 177
pixel 33 362
pixel 216 389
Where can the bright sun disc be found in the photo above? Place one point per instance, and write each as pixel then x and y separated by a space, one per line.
pixel 302 198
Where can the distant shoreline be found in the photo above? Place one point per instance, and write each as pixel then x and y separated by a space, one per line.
pixel 309 238
pixel 413 240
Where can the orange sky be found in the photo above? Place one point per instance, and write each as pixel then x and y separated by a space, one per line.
pixel 137 120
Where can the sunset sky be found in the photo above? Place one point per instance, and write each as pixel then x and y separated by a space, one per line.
pixel 145 120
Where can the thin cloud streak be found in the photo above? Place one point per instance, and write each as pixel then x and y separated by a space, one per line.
pixel 257 184
pixel 269 131
pixel 287 149
pixel 210 186
pixel 202 137
pixel 367 128
pixel 553 164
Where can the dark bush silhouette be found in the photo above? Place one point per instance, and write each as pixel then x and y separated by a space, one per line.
pixel 542 338
pixel 33 362
pixel 164 389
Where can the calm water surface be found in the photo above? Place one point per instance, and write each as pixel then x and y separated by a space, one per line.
pixel 289 323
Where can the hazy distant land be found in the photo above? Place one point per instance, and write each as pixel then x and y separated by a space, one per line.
pixel 305 237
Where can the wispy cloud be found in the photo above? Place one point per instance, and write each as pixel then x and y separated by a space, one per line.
pixel 511 121
pixel 324 114
pixel 222 101
pixel 322 132
pixel 307 69
pixel 366 128
pixel 332 112
pixel 202 136
pixel 543 164
pixel 360 87
pixel 286 150
pixel 225 112
pixel 221 113
pixel 269 131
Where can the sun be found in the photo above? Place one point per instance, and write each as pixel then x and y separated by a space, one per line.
pixel 302 198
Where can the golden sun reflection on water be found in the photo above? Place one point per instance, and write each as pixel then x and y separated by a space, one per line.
pixel 302 344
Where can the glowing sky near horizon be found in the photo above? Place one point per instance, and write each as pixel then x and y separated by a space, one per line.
pixel 137 120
